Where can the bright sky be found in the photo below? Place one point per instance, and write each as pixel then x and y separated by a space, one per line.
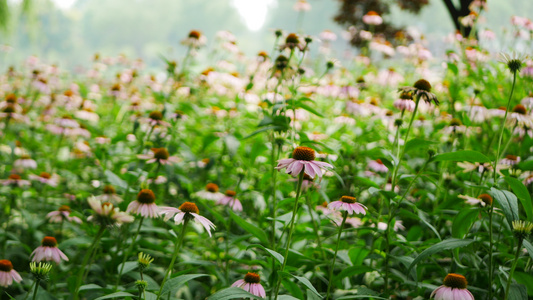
pixel 64 4
pixel 253 12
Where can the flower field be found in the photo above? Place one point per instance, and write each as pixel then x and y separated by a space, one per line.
pixel 397 174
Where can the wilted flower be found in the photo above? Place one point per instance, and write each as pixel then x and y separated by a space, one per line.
pixel 187 210
pixel 159 155
pixel 421 89
pixel 454 288
pixel 251 283
pixel 195 39
pixel 48 251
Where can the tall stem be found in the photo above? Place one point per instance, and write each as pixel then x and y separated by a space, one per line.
pixel 174 255
pixel 513 267
pixel 397 166
pixel 35 290
pixel 291 228
pixel 330 281
pixel 127 253
pixel 84 264
pixel 495 167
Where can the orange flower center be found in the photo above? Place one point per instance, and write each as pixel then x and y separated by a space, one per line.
pixel 64 208
pixel 372 13
pixel 379 161
pixel 303 153
pixel 5 265
pixel 189 207
pixel 195 34
pixel 14 177
pixel 230 193
pixel 423 84
pixel 456 122
pixel 348 199
pixel 252 278
pixel 455 281
pixel 511 157
pixel 49 241
pixel 486 198
pixel 146 196
pixel 520 109
pixel 292 39
pixel 156 115
pixel 108 189
pixel 211 187
pixel 45 175
pixel 160 153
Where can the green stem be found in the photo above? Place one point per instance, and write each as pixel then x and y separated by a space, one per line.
pixel 397 166
pixel 127 253
pixel 291 228
pixel 517 254
pixel 315 228
pixel 330 281
pixel 35 290
pixel 88 255
pixel 174 255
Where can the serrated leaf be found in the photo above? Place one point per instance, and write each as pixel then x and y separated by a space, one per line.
pixel 508 203
pixel 174 283
pixel 232 293
pixel 251 228
pixel 444 245
pixel 463 155
pixel 520 190
pixel 272 253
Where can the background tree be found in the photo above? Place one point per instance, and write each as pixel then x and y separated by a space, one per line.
pixel 351 13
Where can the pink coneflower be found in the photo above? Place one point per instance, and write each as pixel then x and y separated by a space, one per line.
pixel 61 215
pixel 106 214
pixel 348 204
pixel 195 39
pixel 25 162
pixel 372 18
pixel 155 118
pixel 251 283
pixel 405 102
pixel 454 288
pixel 377 166
pixel 210 193
pixel 510 160
pixel 144 205
pixel 7 273
pixel 159 155
pixel 230 200
pixel 15 180
pixel 48 251
pixel 109 195
pixel 186 210
pixel 302 5
pixel 303 159
pixel 46 178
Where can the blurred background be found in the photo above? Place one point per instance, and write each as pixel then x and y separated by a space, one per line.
pixel 69 32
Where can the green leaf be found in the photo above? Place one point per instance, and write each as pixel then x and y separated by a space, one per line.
pixel 115 180
pixel 251 228
pixel 528 247
pixel 272 253
pixel 444 245
pixel 232 293
pixel 526 165
pixel 522 193
pixel 304 281
pixel 452 67
pixel 115 295
pixel 309 109
pixel 173 284
pixel 287 297
pixel 462 222
pixel 352 271
pixel 357 255
pixel 463 155
pixel 128 266
pixel 508 202
pixel 91 286
pixel 525 279
pixel 417 143
pixel 517 292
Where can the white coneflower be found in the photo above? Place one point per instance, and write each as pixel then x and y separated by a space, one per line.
pixel 25 162
pixel 210 193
